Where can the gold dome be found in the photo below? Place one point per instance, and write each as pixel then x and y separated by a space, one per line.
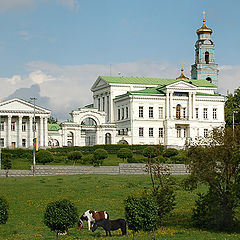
pixel 182 76
pixel 204 29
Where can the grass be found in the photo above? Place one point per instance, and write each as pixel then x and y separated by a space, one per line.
pixel 28 198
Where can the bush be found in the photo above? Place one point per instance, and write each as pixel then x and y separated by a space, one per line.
pixel 60 159
pixel 179 159
pixel 87 158
pixel 136 160
pixel 3 210
pixel 150 152
pixel 75 156
pixel 124 153
pixel 44 156
pixel 98 156
pixel 170 152
pixel 6 162
pixel 141 213
pixel 60 215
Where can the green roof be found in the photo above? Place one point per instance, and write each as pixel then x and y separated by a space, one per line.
pixel 207 94
pixel 155 81
pixel 53 127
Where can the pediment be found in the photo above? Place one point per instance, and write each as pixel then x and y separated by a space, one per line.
pixel 209 69
pixel 19 105
pixel 99 83
pixel 181 85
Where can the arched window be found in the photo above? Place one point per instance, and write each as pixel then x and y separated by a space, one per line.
pixel 108 138
pixel 89 122
pixel 207 57
pixel 178 132
pixel 178 111
pixel 70 138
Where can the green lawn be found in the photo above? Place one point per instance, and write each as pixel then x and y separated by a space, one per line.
pixel 28 198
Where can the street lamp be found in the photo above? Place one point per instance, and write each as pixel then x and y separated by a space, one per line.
pixel 34 140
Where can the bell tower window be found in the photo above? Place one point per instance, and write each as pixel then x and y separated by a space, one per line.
pixel 207 57
pixel 209 79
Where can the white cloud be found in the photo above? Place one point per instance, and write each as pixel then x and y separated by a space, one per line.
pixel 13 80
pixel 40 77
pixel 15 4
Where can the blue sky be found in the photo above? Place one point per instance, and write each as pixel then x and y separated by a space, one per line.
pixel 63 45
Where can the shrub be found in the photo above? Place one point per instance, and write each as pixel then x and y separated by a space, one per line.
pixel 170 152
pixel 150 152
pixel 87 158
pixel 141 213
pixel 179 159
pixel 75 156
pixel 98 156
pixel 3 210
pixel 60 159
pixel 60 215
pixel 124 153
pixel 44 156
pixel 6 162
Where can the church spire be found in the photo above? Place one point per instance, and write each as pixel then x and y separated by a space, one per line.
pixel 182 76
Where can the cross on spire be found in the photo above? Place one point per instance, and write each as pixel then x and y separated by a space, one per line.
pixel 204 15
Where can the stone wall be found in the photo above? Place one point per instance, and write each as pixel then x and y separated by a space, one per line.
pixel 123 168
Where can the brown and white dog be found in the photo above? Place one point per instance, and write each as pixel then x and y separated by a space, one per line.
pixel 92 216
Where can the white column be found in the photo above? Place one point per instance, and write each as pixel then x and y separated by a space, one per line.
pixel 194 106
pixel 41 132
pixel 9 143
pixel 190 106
pixel 30 140
pixel 171 105
pixel 19 144
pixel 167 104
pixel 45 132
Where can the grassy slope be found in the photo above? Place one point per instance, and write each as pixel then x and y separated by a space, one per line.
pixel 28 198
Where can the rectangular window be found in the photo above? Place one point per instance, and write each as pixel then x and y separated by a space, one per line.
pixel 184 112
pixel 205 113
pixel 2 126
pixel 119 132
pixel 140 112
pixel 126 112
pixel 107 108
pixel 150 132
pixel 214 113
pixel 184 132
pixel 24 141
pixel 160 132
pixel 196 113
pixel 24 127
pixel 205 132
pixel 160 112
pixel 119 114
pixel 141 132
pixel 150 112
pixel 122 113
pixel 13 126
pixel 179 132
pixel 103 103
pixel 2 142
pixel 99 104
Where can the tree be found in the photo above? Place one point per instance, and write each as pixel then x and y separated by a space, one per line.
pixel 141 213
pixel 52 120
pixel 44 156
pixel 232 105
pixel 75 156
pixel 98 156
pixel 216 164
pixel 3 210
pixel 60 215
pixel 124 153
pixel 7 164
pixel 170 152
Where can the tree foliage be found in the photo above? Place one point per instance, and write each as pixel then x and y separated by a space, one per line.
pixel 75 156
pixel 98 156
pixel 3 210
pixel 232 104
pixel 216 164
pixel 60 215
pixel 124 153
pixel 170 152
pixel 44 156
pixel 6 163
pixel 150 152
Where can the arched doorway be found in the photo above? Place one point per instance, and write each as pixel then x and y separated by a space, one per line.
pixel 209 79
pixel 89 126
pixel 70 138
pixel 108 139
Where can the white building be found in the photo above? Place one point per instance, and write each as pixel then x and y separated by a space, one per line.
pixel 16 124
pixel 132 110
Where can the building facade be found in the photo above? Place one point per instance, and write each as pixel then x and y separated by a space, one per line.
pixel 130 110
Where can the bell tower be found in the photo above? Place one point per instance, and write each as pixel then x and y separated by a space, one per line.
pixel 205 67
